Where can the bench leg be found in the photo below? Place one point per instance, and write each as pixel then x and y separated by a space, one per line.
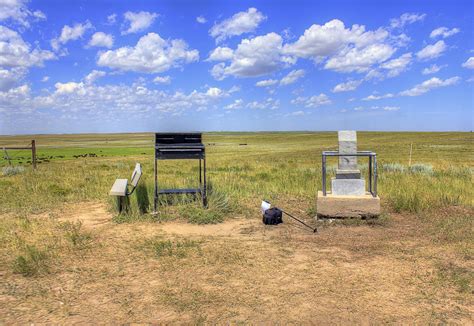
pixel 122 203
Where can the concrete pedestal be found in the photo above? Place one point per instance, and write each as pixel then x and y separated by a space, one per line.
pixel 332 206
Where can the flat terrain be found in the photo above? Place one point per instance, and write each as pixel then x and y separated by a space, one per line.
pixel 66 256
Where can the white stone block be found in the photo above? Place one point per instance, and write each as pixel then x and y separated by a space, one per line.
pixel 348 187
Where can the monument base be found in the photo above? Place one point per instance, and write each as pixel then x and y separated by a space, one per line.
pixel 348 187
pixel 332 206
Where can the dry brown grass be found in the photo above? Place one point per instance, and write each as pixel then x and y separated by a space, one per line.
pixel 243 271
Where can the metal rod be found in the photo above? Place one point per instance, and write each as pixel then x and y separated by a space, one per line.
pixel 297 219
pixel 204 198
pixel 370 174
pixel 375 175
pixel 155 196
pixel 324 173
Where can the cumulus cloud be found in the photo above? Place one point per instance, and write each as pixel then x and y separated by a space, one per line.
pixel 15 52
pixel 237 104
pixel 383 108
pixel 360 60
pixel 320 41
pixel 90 100
pixel 266 83
pixel 374 97
pixel 201 19
pixel 253 57
pixel 292 77
pixel 45 79
pixel 313 101
pixel 406 19
pixel 70 33
pixel 17 11
pixel 469 64
pixel 101 39
pixel 94 75
pixel 138 21
pixel 9 78
pixel 240 23
pixel 347 86
pixel 162 80
pixel 267 104
pixel 432 51
pixel 151 54
pixel 396 66
pixel 430 84
pixel 444 32
pixel 431 69
pixel 221 54
pixel 111 19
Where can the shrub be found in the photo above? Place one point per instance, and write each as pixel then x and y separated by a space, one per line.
pixel 12 170
pixel 179 249
pixel 393 167
pixel 426 169
pixel 32 262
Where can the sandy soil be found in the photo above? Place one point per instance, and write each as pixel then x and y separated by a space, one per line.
pixel 241 271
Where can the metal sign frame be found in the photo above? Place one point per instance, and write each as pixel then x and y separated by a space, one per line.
pixel 372 168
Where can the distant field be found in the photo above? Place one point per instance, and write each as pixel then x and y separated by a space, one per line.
pixel 414 264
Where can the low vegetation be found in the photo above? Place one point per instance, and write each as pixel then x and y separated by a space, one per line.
pixel 419 251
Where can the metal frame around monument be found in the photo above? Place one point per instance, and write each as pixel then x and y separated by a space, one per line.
pixel 372 168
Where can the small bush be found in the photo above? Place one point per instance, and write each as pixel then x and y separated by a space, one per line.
pixel 426 169
pixel 393 167
pixel 12 170
pixel 74 234
pixel 32 262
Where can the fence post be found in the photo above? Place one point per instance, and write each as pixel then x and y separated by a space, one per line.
pixel 33 153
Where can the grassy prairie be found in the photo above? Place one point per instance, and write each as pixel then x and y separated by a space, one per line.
pixel 59 231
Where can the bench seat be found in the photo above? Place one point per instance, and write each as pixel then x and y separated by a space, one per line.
pixel 119 188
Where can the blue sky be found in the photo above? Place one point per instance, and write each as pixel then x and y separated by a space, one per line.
pixel 129 66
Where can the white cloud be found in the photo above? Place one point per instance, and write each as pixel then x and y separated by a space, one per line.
pixel 138 21
pixel 269 103
pixel 360 60
pixel 444 32
pixel 69 87
pixel 396 66
pixel 321 41
pixel 112 19
pixel 383 108
pixel 313 101
pixel 292 77
pixel 94 75
pixel 101 39
pixel 296 113
pixel 9 78
pixel 240 23
pixel 221 54
pixel 109 101
pixel 151 54
pixel 201 19
pixel 266 82
pixel 18 12
pixel 374 97
pixel 162 80
pixel 69 33
pixel 347 86
pixel 253 57
pixel 430 84
pixel 45 79
pixel 431 51
pixel 406 19
pixel 469 64
pixel 237 104
pixel 432 69
pixel 15 52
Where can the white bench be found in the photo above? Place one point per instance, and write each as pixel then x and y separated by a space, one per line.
pixel 120 187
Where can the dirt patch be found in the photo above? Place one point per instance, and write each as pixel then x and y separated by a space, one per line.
pixel 241 271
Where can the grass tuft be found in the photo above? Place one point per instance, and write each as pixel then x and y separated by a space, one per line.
pixel 175 248
pixel 32 262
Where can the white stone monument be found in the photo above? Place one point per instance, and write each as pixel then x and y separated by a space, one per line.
pixel 348 197
pixel 347 181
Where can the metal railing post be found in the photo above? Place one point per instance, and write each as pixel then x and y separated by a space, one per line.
pixel 324 173
pixel 375 175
